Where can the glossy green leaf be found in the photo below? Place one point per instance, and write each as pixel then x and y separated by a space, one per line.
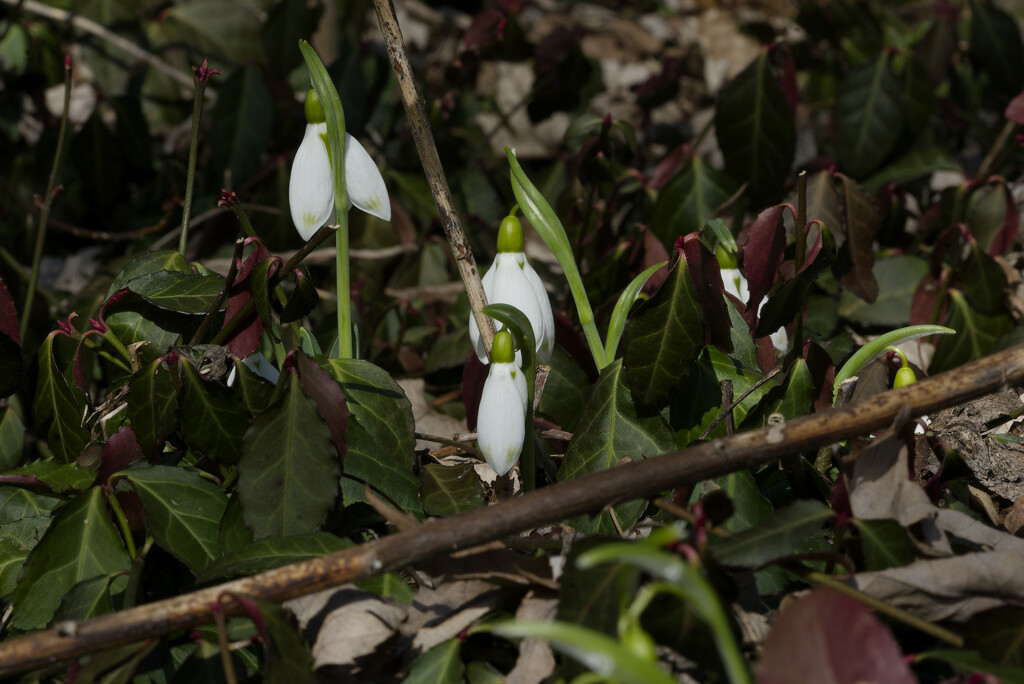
pixel 288 473
pixel 878 346
pixel 688 199
pixel 272 552
pixel 287 658
pixel 450 490
pixel 135 320
pixel 996 46
pixel 884 544
pixel 898 277
pixel 261 272
pixel 212 421
pixel 756 130
pixel 59 405
pixel 188 293
pixel 609 432
pixel 440 665
pixel 773 538
pixel 12 438
pixel 16 503
pixel 243 123
pixel 148 263
pixel 997 635
pixel 565 392
pixel 862 221
pixel 91 597
pixel 976 335
pixel 81 543
pixel 59 476
pixel 869 117
pixel 922 160
pixel 986 214
pixel 256 390
pixel 380 434
pixel 663 337
pixel 303 299
pixel 152 405
pixel 823 201
pixel 232 534
pixel 792 399
pixel 389 584
pixel 183 511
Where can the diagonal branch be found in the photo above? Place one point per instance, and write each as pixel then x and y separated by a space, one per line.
pixel 588 494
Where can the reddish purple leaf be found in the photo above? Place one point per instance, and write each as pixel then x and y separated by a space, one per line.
pixel 1015 110
pixel 834 638
pixel 707 281
pixel 252 610
pixel 762 256
pixel 1007 233
pixel 246 339
pixel 487 28
pixel 326 393
pixel 862 223
pixel 667 167
pixel 8 314
pixel 120 451
pixel 787 80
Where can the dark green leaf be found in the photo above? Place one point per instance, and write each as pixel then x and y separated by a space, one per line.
pixel 286 23
pixel 773 538
pixel 862 223
pixel 389 584
pixel 984 282
pixel 60 405
pixel 971 662
pixel 261 272
pixel 232 533
pixel 823 202
pixel 922 160
pixel 749 506
pixel 288 473
pixel 782 306
pixel 152 405
pixel 145 264
pixel 303 299
pixel 756 130
pixel 898 277
pixel 439 665
pixel 91 597
pixel 689 199
pixel 380 434
pixel 134 320
pixel 869 117
pixel 884 544
pixel 996 46
pixel 987 214
pixel 609 432
pixel 256 390
pixel 662 338
pixel 287 658
pixel 225 29
pixel 272 552
pixel 212 422
pixel 182 292
pixel 919 96
pixel 12 554
pixel 565 392
pixel 791 399
pixel 976 335
pixel 998 635
pixel 59 476
pixel 10 366
pixel 16 504
pixel 12 438
pixel 81 543
pixel 450 490
pixel 183 511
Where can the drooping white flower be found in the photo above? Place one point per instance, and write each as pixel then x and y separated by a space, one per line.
pixel 311 186
pixel 501 419
pixel 511 280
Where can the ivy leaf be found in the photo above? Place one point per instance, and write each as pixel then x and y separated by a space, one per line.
pixel 609 432
pixel 862 223
pixel 61 405
pixel 152 405
pixel 212 421
pixel 302 300
pixel 188 293
pixel 689 199
pixel 869 117
pixel 183 511
pixel 897 277
pixel 380 436
pixel 756 130
pixel 145 264
pixel 288 475
pixel 91 597
pixel 440 665
pixel 884 544
pixel 976 335
pixel 996 46
pixel 450 490
pixel 772 538
pixel 272 552
pixel 81 543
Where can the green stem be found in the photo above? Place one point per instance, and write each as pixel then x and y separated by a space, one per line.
pixel 44 211
pixel 122 521
pixel 344 289
pixel 193 153
pixel 801 251
pixel 105 354
pixel 131 592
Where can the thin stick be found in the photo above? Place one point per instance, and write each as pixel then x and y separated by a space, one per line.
pixel 415 110
pixel 589 494
pixel 202 77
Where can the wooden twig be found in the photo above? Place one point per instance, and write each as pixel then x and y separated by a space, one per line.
pixel 590 494
pixel 420 126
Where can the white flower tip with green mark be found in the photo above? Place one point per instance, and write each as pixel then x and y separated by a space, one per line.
pixel 511 280
pixel 311 187
pixel 363 181
pixel 501 419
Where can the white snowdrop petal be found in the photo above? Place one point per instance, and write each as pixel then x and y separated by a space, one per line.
pixel 545 337
pixel 474 330
pixel 500 420
pixel 310 188
pixel 363 182
pixel 735 284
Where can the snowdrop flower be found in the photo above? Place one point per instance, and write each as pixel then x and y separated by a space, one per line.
pixel 500 423
pixel 311 187
pixel 511 280
pixel 736 284
pixel 258 364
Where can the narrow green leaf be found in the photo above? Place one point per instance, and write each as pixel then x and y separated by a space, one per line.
pixel 59 405
pixel 288 473
pixel 81 543
pixel 688 199
pixel 869 117
pixel 440 665
pixel 617 323
pixel 663 338
pixel 188 293
pixel 878 346
pixel 212 421
pixel 773 538
pixel 183 511
pixel 272 552
pixel 976 335
pixel 450 490
pixel 609 432
pixel 756 130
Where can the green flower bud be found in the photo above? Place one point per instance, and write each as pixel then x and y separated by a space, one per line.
pixel 510 235
pixel 503 350
pixel 904 376
pixel 314 110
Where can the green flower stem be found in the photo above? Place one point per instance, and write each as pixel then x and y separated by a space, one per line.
pixel 44 210
pixel 801 251
pixel 243 219
pixel 344 289
pixel 122 521
pixel 193 153
pixel 131 592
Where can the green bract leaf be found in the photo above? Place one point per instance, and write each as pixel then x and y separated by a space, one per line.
pixel 183 511
pixel 212 420
pixel 876 347
pixel 869 117
pixel 663 338
pixel 617 323
pixel 774 537
pixel 61 405
pixel 439 665
pixel 381 434
pixel 609 432
pixel 81 543
pixel 335 115
pixel 288 473
pixel 270 553
pixel 756 130
pixel 182 292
